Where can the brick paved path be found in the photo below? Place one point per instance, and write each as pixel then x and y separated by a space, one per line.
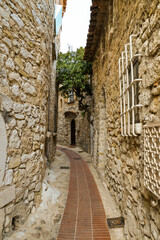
pixel 84 217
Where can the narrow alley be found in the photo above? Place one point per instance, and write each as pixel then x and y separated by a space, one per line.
pixel 84 216
pixel 57 217
pixel 80 119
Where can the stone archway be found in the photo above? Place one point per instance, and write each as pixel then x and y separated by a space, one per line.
pixel 3 147
pixel 73 132
pixel 102 132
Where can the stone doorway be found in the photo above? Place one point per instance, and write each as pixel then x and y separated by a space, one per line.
pixel 73 132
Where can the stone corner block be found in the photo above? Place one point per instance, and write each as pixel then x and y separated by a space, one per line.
pixel 7 195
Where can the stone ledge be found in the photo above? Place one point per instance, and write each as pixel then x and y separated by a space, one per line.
pixel 7 195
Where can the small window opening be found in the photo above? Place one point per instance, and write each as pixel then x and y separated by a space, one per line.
pixel 53 52
pixel 61 103
pixel 71 97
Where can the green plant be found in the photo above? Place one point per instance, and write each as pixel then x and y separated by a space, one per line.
pixel 73 75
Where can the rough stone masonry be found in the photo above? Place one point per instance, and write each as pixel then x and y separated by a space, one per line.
pixel 68 112
pixel 120 159
pixel 26 68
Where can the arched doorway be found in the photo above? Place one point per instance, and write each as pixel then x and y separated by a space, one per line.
pixel 73 132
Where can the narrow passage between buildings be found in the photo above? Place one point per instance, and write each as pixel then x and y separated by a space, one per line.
pixel 84 216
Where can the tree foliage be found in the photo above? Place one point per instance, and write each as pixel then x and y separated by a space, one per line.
pixel 73 74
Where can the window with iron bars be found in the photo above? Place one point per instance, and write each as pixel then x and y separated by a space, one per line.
pixel 129 91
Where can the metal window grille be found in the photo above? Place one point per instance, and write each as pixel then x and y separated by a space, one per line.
pixel 152 158
pixel 129 91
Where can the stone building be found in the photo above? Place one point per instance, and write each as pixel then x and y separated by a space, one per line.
pixel 73 127
pixel 29 43
pixel 124 46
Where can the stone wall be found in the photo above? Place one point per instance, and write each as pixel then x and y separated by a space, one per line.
pixel 66 113
pixel 120 160
pixel 26 69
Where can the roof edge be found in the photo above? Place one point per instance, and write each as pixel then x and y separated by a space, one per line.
pixel 98 13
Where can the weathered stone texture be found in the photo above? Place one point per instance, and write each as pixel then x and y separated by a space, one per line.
pixel 120 160
pixel 66 113
pixel 3 149
pixel 26 65
pixel 7 195
pixel 2 217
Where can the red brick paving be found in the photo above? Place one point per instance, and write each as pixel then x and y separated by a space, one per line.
pixel 84 217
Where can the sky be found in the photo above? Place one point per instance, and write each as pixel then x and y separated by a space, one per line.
pixel 75 24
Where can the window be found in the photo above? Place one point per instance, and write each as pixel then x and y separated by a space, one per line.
pixel 57 18
pixel 61 103
pixel 129 91
pixel 136 89
pixel 71 97
pixel 53 52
